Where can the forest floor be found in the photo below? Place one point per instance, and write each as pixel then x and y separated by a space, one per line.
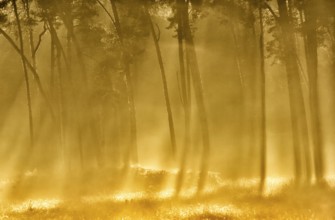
pixel 149 200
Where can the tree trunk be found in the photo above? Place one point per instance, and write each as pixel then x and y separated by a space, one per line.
pixel 298 113
pixel 164 81
pixel 31 35
pixel 185 96
pixel 61 104
pixel 58 44
pixel 306 153
pixel 263 147
pixel 199 96
pixel 26 77
pixel 131 154
pixel 52 64
pixel 312 69
pixel 71 38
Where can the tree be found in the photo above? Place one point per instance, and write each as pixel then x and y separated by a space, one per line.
pixel 297 107
pixel 164 81
pixel 185 97
pixel 263 105
pixel 198 90
pixel 311 45
pixel 25 71
pixel 131 153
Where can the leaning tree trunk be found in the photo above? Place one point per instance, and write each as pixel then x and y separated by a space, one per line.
pixel 32 70
pixel 199 96
pixel 164 81
pixel 131 154
pixel 263 105
pixel 26 77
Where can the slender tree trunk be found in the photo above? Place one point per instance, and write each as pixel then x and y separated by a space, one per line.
pixel 81 125
pixel 305 150
pixel 26 77
pixel 58 44
pixel 164 81
pixel 237 55
pixel 64 91
pixel 252 94
pixel 263 147
pixel 131 153
pixel 115 138
pixel 298 113
pixel 31 34
pixel 69 50
pixel 185 96
pixel 52 64
pixel 198 89
pixel 242 109
pixel 312 69
pixel 72 39
pixel 333 42
pixel 61 104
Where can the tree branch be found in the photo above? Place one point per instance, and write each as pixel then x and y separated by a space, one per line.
pixel 267 6
pixel 158 32
pixel 105 9
pixel 40 39
pixel 31 68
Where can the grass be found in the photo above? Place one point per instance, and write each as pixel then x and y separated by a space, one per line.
pixel 149 200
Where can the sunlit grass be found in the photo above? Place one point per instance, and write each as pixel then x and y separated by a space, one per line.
pixel 221 199
pixel 203 211
pixel 39 204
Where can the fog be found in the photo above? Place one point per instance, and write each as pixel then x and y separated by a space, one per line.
pixel 156 101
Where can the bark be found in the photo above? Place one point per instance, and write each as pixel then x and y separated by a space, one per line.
pixel 65 93
pixel 263 148
pixel 298 113
pixel 52 64
pixel 61 103
pixel 57 42
pixel 245 91
pixel 237 56
pixel 131 154
pixel 71 38
pixel 199 96
pixel 164 81
pixel 31 35
pixel 26 77
pixel 305 148
pixel 185 94
pixel 312 69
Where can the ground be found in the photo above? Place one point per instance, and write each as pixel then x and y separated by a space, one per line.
pixel 221 200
